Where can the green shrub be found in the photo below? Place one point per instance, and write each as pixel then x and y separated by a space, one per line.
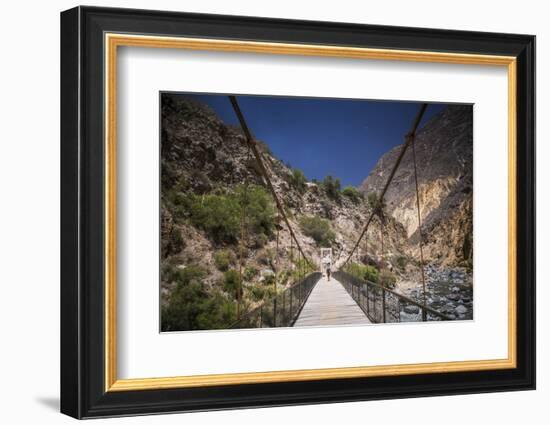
pixel 219 214
pixel 364 272
pixel 261 293
pixel 331 186
pixel 183 308
pixel 257 292
pixel 387 279
pixel 176 242
pixel 224 258
pixel 178 204
pixel 371 274
pixel 192 273
pixel 297 180
pixel 231 282
pixel 352 193
pixel 191 308
pixel 259 210
pixel 249 273
pixel 317 228
pixel 216 312
pixel 284 276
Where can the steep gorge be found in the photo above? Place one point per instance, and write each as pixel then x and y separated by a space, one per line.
pixel 208 175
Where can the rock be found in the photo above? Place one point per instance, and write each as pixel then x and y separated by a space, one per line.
pixel 453 297
pixel 455 289
pixel 404 317
pixel 461 310
pixel 267 272
pixel 411 309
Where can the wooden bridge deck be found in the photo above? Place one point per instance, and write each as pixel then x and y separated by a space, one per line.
pixel 329 304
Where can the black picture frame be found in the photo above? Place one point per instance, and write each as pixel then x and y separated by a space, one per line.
pixel 83 392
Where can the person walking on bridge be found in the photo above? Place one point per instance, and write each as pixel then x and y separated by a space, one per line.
pixel 328 273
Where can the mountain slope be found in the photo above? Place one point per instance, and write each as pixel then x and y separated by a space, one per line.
pixel 444 155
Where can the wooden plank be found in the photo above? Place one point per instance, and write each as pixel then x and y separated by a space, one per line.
pixel 329 304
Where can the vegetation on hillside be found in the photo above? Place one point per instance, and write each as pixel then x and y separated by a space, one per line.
pixel 352 193
pixel 369 273
pixel 219 215
pixel 319 229
pixel 190 307
pixel 224 258
pixel 362 271
pixel 297 180
pixel 331 187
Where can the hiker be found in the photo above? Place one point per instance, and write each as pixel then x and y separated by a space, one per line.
pixel 328 273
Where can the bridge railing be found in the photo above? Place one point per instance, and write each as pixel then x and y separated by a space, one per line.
pixel 281 310
pixel 382 305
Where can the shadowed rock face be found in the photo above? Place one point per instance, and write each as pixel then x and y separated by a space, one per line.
pixel 444 156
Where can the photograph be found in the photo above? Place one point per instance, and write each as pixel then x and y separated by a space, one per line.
pixel 301 211
pixel 286 210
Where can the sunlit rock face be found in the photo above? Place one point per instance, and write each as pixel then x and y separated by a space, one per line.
pixel 444 157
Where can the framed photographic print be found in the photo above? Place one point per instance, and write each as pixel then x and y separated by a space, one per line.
pixel 261 212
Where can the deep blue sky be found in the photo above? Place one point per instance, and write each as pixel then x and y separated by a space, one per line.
pixel 341 137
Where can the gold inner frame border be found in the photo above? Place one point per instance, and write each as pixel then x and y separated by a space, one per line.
pixel 111 43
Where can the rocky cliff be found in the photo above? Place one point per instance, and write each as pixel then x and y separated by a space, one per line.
pixel 444 156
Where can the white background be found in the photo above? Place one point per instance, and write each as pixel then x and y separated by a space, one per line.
pixel 29 225
pixel 139 343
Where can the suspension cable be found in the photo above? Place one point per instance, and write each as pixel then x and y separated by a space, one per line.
pixel 382 261
pixel 252 143
pixel 419 222
pixel 277 255
pixel 241 245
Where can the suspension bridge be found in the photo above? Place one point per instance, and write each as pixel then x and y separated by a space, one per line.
pixel 326 294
